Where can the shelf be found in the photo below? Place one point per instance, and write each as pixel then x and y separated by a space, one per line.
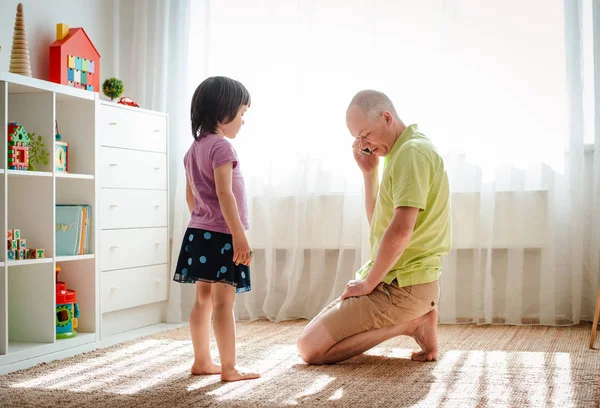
pixel 75 176
pixel 74 258
pixel 29 262
pixel 25 173
pixel 14 347
pixel 20 350
pixel 19 84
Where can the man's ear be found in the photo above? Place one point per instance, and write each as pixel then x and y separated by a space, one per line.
pixel 388 117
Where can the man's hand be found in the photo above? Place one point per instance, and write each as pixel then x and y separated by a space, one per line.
pixel 366 162
pixel 356 288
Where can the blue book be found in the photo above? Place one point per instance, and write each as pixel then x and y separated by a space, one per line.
pixel 72 229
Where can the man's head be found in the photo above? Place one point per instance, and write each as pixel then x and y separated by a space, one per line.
pixel 372 119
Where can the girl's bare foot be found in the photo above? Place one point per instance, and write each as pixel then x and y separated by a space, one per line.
pixel 205 368
pixel 238 374
pixel 426 336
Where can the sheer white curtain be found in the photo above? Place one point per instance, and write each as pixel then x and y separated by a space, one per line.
pixel 499 87
pixel 153 38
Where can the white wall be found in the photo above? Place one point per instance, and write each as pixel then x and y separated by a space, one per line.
pixel 41 17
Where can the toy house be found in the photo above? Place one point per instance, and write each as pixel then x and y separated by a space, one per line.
pixel 74 61
pixel 18 147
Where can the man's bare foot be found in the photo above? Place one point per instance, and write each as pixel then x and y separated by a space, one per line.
pixel 426 336
pixel 238 374
pixel 205 369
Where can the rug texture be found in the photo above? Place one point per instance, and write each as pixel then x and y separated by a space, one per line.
pixel 496 366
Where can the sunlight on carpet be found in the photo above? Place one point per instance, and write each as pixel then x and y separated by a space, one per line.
pixel 478 366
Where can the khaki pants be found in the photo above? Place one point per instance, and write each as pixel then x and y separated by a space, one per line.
pixel 387 305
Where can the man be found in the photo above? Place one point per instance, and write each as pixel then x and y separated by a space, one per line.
pixel 397 291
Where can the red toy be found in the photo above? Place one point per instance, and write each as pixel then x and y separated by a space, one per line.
pixel 18 147
pixel 74 60
pixel 125 100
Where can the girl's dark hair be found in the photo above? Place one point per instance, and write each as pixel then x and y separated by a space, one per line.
pixel 217 100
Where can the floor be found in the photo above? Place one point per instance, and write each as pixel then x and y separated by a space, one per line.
pixel 499 366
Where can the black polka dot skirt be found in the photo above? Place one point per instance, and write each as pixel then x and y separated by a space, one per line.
pixel 207 256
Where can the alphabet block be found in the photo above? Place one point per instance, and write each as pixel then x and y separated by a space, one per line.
pixel 21 243
pixel 16 234
pixel 9 234
pixel 11 255
pixel 20 254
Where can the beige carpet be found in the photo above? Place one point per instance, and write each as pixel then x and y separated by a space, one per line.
pixel 495 366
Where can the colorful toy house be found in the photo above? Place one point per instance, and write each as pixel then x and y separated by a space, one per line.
pixel 18 147
pixel 74 60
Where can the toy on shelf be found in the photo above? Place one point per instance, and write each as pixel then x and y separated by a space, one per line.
pixel 61 153
pixel 67 310
pixel 74 61
pixel 17 247
pixel 19 57
pixel 127 101
pixel 37 152
pixel 18 147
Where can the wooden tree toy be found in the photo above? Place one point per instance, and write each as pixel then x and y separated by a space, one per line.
pixel 19 57
pixel 18 147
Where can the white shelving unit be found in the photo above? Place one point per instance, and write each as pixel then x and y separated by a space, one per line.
pixel 118 164
pixel 27 203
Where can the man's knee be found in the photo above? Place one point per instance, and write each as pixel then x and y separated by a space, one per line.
pixel 308 354
pixel 307 350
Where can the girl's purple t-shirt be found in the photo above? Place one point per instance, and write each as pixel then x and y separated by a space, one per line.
pixel 203 157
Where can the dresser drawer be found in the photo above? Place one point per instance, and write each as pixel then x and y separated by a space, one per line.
pixel 130 129
pixel 133 208
pixel 119 168
pixel 122 289
pixel 130 248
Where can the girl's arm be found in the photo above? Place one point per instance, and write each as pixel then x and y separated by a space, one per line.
pixel 228 204
pixel 189 196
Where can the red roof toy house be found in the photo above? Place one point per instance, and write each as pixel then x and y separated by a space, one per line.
pixel 74 60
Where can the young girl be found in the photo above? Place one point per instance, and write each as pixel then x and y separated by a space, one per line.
pixel 215 253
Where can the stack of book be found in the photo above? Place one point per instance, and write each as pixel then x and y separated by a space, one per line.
pixel 72 229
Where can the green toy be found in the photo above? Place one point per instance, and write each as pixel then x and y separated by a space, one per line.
pixel 37 152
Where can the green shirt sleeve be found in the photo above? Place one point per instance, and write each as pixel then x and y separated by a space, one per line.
pixel 410 179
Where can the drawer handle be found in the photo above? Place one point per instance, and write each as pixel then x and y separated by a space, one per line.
pixel 159 280
pixel 112 123
pixel 113 206
pixel 156 130
pixel 112 248
pixel 114 165
pixel 157 242
pixel 157 206
pixel 112 289
pixel 156 168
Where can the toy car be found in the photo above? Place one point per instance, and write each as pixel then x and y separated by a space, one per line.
pixel 125 100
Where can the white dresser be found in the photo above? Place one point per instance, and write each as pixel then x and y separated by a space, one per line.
pixel 133 215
